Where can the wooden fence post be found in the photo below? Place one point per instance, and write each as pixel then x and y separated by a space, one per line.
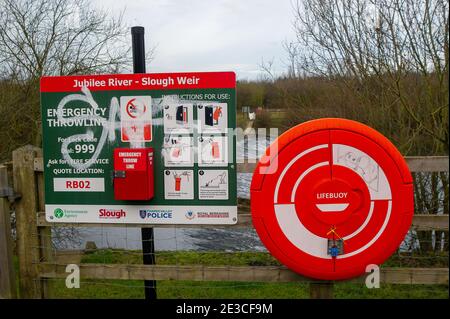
pixel 45 236
pixel 7 273
pixel 26 220
pixel 321 290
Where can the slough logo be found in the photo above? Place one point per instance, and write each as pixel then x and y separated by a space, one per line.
pixel 112 213
pixel 58 212
pixel 190 214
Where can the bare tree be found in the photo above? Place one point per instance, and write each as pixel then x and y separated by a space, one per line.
pixel 394 52
pixel 58 37
pixel 393 55
pixel 51 37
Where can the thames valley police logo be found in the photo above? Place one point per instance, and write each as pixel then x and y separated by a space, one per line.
pixel 155 214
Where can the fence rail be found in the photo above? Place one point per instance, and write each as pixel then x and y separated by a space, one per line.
pixel 420 222
pixel 231 273
pixel 37 264
pixel 415 163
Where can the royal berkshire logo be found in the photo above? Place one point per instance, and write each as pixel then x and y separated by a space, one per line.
pixel 190 214
pixel 111 213
pixel 213 215
pixel 58 212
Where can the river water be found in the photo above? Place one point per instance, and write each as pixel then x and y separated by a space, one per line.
pixel 177 238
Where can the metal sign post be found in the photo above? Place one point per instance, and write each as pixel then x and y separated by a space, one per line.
pixel 148 244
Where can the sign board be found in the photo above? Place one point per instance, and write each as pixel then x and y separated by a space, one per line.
pixel 340 198
pixel 175 130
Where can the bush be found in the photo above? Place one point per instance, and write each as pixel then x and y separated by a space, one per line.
pixel 263 120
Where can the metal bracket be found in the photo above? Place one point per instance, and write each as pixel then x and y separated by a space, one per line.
pixel 9 193
pixel 335 247
pixel 6 192
pixel 119 174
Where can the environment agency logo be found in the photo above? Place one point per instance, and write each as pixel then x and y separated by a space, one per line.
pixel 58 212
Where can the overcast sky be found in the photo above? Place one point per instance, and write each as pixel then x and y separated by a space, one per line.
pixel 201 35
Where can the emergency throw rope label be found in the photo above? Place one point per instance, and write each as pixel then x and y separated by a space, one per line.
pixel 136 118
pixel 140 148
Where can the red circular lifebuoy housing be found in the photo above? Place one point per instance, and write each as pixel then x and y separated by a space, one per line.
pixel 330 197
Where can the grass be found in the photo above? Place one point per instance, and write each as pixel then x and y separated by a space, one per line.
pixel 277 120
pixel 109 289
pixel 246 290
pixel 182 258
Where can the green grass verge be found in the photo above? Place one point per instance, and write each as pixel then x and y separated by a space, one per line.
pixel 193 289
pixel 102 289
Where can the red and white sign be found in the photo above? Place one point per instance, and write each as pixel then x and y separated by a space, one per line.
pixel 335 180
pixel 136 118
pixel 140 81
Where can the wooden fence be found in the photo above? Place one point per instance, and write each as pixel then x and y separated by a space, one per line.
pixel 37 265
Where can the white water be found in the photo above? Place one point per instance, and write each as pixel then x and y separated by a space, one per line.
pixel 186 238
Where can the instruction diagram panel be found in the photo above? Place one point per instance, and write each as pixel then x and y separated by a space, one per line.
pixel 213 184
